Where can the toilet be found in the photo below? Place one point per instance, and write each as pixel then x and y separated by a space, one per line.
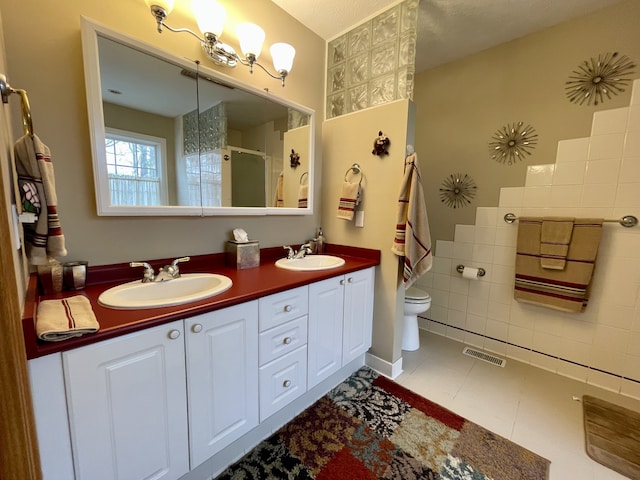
pixel 416 301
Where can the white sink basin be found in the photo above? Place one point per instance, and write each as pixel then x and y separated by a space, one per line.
pixel 188 288
pixel 310 263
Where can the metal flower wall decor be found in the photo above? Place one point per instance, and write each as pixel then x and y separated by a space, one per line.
pixel 457 190
pixel 512 142
pixel 598 78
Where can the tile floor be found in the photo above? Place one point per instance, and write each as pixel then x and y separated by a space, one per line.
pixel 530 406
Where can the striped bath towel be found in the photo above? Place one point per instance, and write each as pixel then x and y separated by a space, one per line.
pixel 349 198
pixel 37 186
pixel 303 196
pixel 412 238
pixel 568 289
pixel 58 320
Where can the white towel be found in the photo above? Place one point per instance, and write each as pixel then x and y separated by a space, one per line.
pixel 60 319
pixel 303 196
pixel 37 185
pixel 349 198
pixel 412 238
pixel 278 201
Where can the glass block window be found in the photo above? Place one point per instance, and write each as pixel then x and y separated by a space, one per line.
pixel 374 63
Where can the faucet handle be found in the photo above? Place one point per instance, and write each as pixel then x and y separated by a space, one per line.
pixel 148 275
pixel 291 253
pixel 178 260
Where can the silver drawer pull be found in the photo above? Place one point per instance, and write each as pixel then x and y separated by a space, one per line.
pixel 173 334
pixel 286 340
pixel 196 328
pixel 288 308
pixel 342 282
pixel 286 383
pixel 350 280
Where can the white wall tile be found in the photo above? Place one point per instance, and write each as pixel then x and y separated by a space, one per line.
pixel 602 171
pixel 455 334
pixel 498 311
pixel 507 236
pixel 566 196
pixel 538 175
pixel 486 216
pixel 632 144
pixel 457 318
pixel 486 235
pixel 495 346
pixel 634 118
pixel 441 265
pixel 570 173
pixel 602 147
pixel 501 294
pixel 545 362
pixel 479 289
pixel 610 121
pixel 505 256
pixel 441 281
pixel 628 195
pixel 482 254
pixel 477 306
pixel 536 196
pixel 462 251
pixel 439 297
pixel 631 367
pixel 574 150
pixel 440 314
pixel 497 329
pixel 476 323
pixel 571 370
pixel 598 196
pixel 629 388
pixel 458 303
pixel 630 170
pixel 520 354
pixel 474 340
pixel 465 233
pixel 511 196
pixel 459 285
pixel 603 380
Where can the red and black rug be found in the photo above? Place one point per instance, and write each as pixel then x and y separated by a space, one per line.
pixel 369 427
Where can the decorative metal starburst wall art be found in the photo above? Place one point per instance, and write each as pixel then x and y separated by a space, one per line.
pixel 457 190
pixel 598 78
pixel 512 142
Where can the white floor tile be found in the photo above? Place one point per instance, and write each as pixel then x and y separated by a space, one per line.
pixel 536 408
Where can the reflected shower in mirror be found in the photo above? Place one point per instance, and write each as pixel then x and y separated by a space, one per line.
pixel 171 137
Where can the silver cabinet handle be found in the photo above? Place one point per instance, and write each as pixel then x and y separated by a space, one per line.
pixel 350 280
pixel 196 328
pixel 173 334
pixel 288 308
pixel 286 340
pixel 342 282
pixel 286 383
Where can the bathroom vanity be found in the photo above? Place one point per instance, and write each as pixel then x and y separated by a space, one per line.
pixel 182 391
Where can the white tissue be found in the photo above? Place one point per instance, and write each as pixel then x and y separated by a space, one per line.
pixel 240 235
pixel 470 273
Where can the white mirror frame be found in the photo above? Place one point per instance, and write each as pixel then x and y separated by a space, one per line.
pixel 90 32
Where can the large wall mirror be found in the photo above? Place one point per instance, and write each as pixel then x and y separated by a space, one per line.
pixel 173 137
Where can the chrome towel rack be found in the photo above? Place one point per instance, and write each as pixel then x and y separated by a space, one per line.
pixel 355 169
pixel 627 221
pixel 6 90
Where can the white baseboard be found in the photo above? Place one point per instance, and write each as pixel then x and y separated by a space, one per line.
pixel 388 369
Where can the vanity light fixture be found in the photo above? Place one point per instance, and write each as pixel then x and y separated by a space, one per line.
pixel 210 16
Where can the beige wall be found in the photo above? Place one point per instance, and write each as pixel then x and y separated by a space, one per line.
pixel 460 105
pixel 381 187
pixel 44 57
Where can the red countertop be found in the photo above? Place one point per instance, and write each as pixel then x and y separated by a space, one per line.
pixel 248 284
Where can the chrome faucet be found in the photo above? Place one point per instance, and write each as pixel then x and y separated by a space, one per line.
pixel 305 249
pixel 169 272
pixel 148 275
pixel 291 252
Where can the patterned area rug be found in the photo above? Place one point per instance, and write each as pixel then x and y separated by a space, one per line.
pixel 369 427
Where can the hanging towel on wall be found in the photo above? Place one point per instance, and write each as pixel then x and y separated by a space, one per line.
pixel 278 200
pixel 303 196
pixel 349 196
pixel 36 182
pixel 568 289
pixel 65 318
pixel 412 238
pixel 555 237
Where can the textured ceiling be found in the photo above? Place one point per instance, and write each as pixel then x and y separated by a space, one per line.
pixel 447 29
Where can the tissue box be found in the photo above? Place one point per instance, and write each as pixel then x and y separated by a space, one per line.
pixel 243 254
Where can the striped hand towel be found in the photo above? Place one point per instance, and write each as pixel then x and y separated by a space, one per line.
pixel 60 319
pixel 349 195
pixel 278 200
pixel 303 196
pixel 412 238
pixel 568 289
pixel 555 236
pixel 37 186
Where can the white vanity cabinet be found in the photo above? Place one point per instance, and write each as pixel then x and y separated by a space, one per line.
pixel 127 406
pixel 340 322
pixel 222 378
pixel 283 349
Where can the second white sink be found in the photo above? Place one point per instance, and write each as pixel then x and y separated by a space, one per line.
pixel 188 288
pixel 310 263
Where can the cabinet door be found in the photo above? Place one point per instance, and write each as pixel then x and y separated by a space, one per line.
pixel 358 314
pixel 326 302
pixel 127 406
pixel 222 378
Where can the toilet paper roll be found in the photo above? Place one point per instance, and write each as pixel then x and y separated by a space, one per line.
pixel 470 273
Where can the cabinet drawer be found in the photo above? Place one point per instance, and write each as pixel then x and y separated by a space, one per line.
pixel 282 307
pixel 282 381
pixel 283 339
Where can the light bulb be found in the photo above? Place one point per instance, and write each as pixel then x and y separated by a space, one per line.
pixel 282 55
pixel 210 16
pixel 251 38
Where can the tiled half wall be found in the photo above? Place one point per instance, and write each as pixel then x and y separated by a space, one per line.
pixel 596 176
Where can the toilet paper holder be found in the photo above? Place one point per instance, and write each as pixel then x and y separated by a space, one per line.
pixel 481 271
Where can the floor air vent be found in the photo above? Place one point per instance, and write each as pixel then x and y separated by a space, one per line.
pixel 501 362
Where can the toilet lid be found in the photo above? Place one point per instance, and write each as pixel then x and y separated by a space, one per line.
pixel 415 294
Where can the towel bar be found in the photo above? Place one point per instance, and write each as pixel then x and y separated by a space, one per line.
pixel 626 221
pixel 6 90
pixel 302 177
pixel 355 168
